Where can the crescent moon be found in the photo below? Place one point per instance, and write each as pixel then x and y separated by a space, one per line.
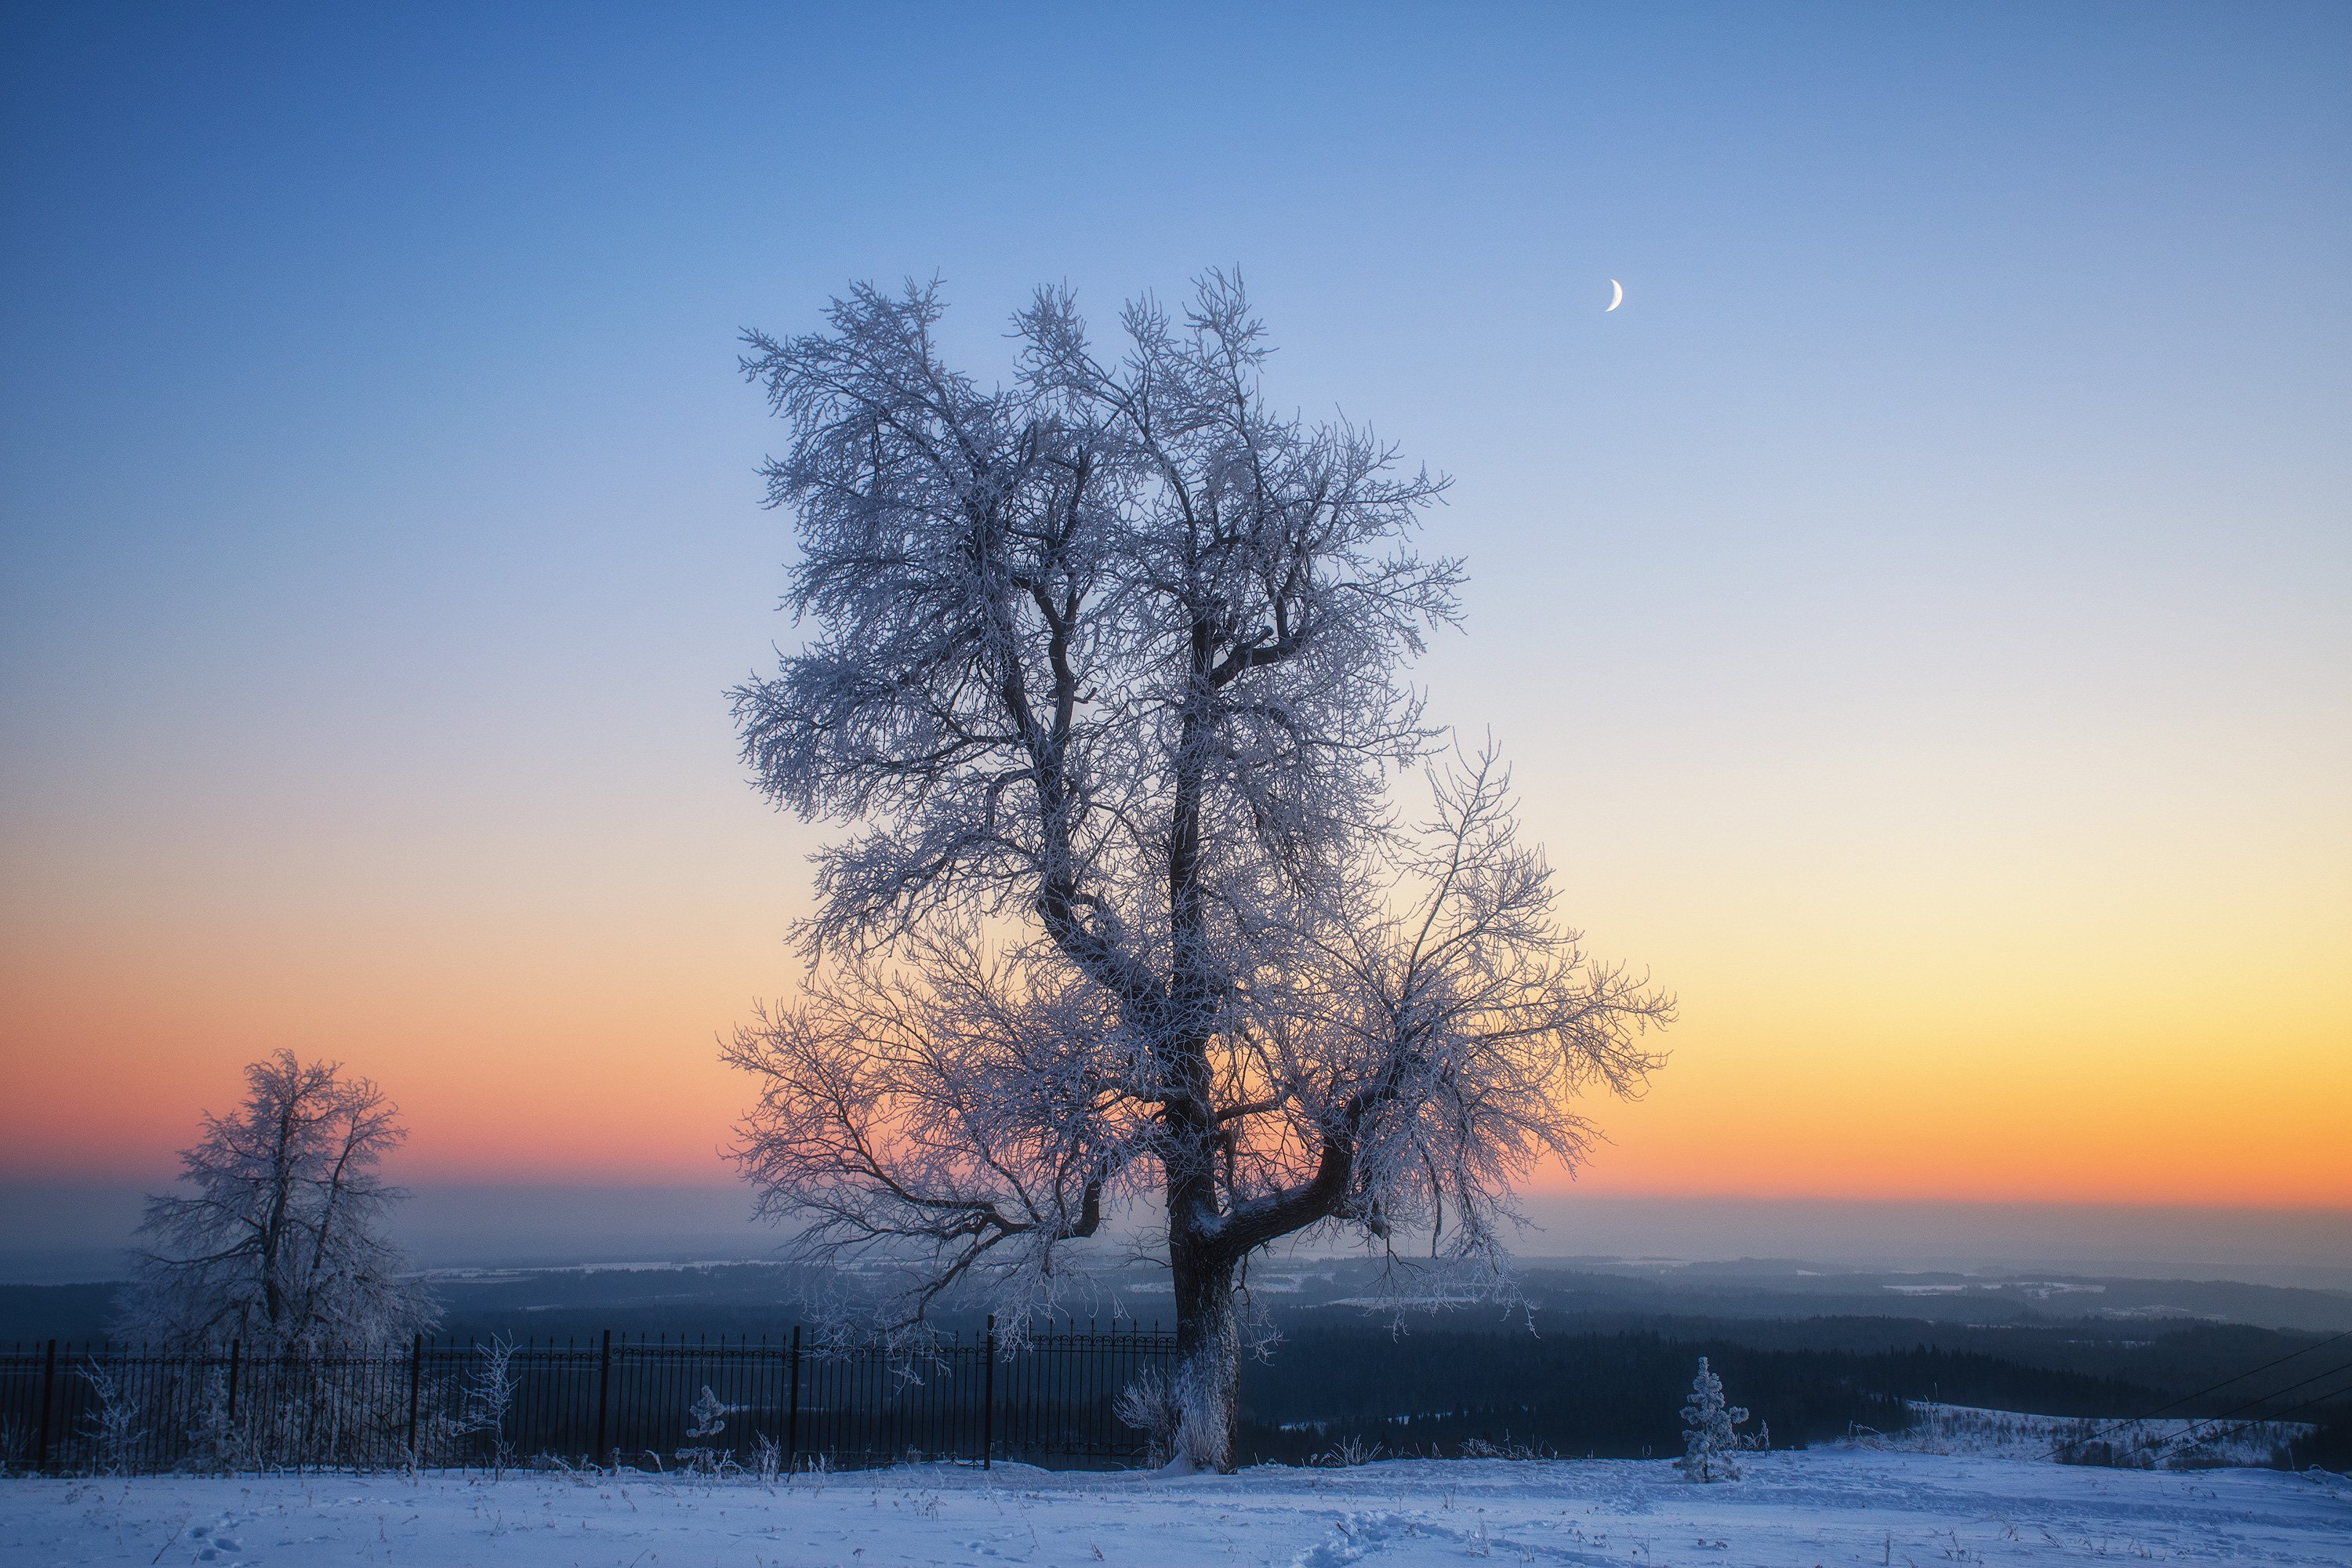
pixel 1621 295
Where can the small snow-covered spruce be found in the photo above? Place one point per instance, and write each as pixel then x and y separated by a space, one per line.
pixel 1709 1442
pixel 709 1413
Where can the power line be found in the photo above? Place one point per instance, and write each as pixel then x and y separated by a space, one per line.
pixel 2175 1404
pixel 2189 1431
pixel 2276 1393
pixel 2275 1414
pixel 2189 1434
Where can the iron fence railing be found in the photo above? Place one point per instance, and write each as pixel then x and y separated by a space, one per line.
pixel 1046 1398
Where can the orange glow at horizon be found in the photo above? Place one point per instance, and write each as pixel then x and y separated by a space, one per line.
pixel 573 1038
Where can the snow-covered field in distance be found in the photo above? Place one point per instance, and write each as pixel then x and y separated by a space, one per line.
pixel 1305 1290
pixel 67 1231
pixel 1939 1428
pixel 716 1296
pixel 1840 1505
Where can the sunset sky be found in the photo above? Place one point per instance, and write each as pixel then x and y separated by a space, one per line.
pixel 1920 618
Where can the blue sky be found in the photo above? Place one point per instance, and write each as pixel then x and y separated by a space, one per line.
pixel 1918 615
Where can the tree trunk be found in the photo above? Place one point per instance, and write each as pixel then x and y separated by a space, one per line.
pixel 1208 1353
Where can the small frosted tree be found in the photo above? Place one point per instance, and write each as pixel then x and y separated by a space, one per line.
pixel 1709 1442
pixel 708 1416
pixel 1106 671
pixel 113 1423
pixel 489 1395
pixel 278 1239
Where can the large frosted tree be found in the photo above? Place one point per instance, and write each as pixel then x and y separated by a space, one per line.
pixel 1105 674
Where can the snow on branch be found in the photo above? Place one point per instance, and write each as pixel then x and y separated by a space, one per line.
pixel 959 1115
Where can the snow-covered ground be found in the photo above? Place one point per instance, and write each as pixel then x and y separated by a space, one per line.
pixel 1825 1506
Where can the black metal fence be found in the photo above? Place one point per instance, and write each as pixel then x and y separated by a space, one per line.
pixel 703 1404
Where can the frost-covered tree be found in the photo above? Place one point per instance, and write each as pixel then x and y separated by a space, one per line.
pixel 1710 1445
pixel 1106 671
pixel 278 1241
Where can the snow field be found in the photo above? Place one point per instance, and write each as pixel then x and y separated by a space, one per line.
pixel 2005 1434
pixel 1825 1506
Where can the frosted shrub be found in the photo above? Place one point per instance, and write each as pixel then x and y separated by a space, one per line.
pixel 489 1395
pixel 1482 1448
pixel 113 1427
pixel 1149 1406
pixel 1347 1453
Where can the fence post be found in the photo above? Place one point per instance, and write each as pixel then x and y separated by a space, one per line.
pixel 415 1376
pixel 988 1395
pixel 48 1386
pixel 604 1397
pixel 793 1410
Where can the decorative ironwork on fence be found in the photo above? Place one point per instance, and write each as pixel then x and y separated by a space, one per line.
pixel 651 1402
